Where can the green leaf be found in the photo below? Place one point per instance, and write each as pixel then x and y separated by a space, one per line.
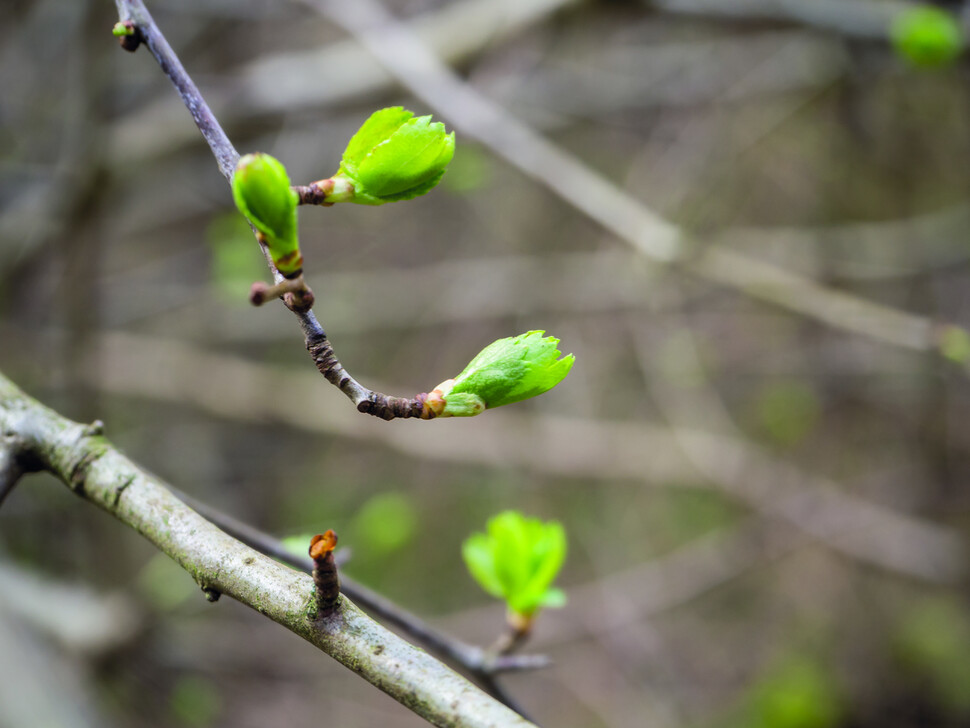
pixel 507 371
pixel 927 37
pixel 517 559
pixel 376 130
pixel 393 157
pixel 479 558
pixel 554 598
pixel 262 192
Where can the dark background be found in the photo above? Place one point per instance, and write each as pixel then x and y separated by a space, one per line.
pixel 767 514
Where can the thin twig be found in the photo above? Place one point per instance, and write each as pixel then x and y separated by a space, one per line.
pixel 98 473
pixel 134 13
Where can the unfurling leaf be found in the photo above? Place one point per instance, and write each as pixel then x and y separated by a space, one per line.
pixel 394 156
pixel 261 189
pixel 506 371
pixel 516 560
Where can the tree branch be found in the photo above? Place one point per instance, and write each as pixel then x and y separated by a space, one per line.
pixel 94 470
pixel 134 14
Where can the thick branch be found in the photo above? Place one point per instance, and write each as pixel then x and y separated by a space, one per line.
pixel 90 466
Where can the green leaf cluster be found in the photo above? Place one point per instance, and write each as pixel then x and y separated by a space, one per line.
pixel 261 189
pixel 394 156
pixel 927 37
pixel 506 371
pixel 517 559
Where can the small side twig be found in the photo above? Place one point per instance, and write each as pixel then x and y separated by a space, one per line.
pixel 325 578
pixel 515 635
pixel 293 291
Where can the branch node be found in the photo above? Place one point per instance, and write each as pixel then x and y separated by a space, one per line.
pixel 294 291
pixel 211 595
pixel 300 301
pixel 315 193
pixel 121 489
pixel 129 35
pixel 325 578
pixel 95 429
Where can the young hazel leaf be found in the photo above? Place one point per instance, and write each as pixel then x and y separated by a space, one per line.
pixel 377 129
pixel 507 371
pixel 394 156
pixel 481 563
pixel 517 559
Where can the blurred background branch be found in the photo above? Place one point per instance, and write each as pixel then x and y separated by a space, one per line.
pixel 418 69
pixel 866 19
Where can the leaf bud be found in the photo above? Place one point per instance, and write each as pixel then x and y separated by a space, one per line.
pixel 506 371
pixel 394 156
pixel 261 189
pixel 517 559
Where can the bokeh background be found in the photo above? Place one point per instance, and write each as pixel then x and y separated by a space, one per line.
pixel 766 501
